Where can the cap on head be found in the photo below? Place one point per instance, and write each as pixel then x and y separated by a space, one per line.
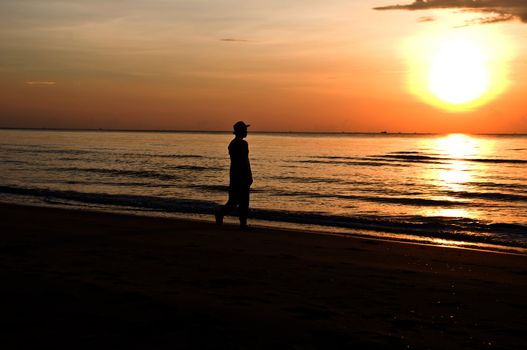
pixel 240 127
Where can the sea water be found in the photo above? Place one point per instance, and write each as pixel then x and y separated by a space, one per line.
pixel 437 188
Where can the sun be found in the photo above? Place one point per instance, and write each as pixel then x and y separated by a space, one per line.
pixel 459 69
pixel 459 73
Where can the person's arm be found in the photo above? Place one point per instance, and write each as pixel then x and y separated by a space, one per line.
pixel 249 171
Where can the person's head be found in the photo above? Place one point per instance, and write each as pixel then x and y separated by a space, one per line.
pixel 240 129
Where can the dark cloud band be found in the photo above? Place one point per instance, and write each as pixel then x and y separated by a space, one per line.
pixel 234 40
pixel 495 10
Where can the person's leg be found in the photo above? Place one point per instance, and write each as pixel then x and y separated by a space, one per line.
pixel 244 207
pixel 227 208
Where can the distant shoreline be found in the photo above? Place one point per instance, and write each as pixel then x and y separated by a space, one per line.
pixel 384 133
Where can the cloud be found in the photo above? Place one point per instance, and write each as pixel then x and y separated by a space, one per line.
pixel 234 40
pixel 41 82
pixel 426 19
pixel 494 10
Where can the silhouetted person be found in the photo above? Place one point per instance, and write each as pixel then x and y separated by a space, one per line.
pixel 240 177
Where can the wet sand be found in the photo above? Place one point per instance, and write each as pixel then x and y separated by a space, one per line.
pixel 72 279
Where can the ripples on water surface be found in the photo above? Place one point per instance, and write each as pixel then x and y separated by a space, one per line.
pixel 455 187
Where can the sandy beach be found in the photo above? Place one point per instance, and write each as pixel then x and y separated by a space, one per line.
pixel 73 279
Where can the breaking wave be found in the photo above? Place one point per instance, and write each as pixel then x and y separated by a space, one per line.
pixel 464 229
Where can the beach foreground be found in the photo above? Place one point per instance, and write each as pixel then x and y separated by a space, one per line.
pixel 73 279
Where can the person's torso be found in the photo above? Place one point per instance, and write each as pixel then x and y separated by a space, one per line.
pixel 239 153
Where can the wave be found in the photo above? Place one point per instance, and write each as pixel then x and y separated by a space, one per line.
pixel 183 156
pixel 357 162
pixel 379 160
pixel 219 188
pixel 155 155
pixel 414 158
pixel 419 157
pixel 405 152
pixel 137 201
pixel 380 199
pixel 497 161
pixel 437 227
pixel 97 152
pixel 406 157
pixel 321 180
pixel 12 161
pixel 500 186
pixel 120 172
pixel 211 188
pixel 415 201
pixel 493 196
pixel 190 167
pixel 98 183
pixel 50 150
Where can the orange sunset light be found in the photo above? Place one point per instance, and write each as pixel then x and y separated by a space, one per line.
pixel 433 66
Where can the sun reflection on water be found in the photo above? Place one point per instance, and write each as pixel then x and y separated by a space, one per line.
pixel 458 146
pixel 455 175
pixel 457 171
pixel 450 213
pixel 456 149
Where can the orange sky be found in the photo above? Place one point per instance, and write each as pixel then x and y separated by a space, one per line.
pixel 280 65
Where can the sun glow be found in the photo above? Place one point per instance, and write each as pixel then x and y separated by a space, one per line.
pixel 460 69
pixel 459 73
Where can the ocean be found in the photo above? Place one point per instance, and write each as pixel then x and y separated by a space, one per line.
pixel 463 190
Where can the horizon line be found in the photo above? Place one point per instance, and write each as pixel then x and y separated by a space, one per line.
pixel 383 132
